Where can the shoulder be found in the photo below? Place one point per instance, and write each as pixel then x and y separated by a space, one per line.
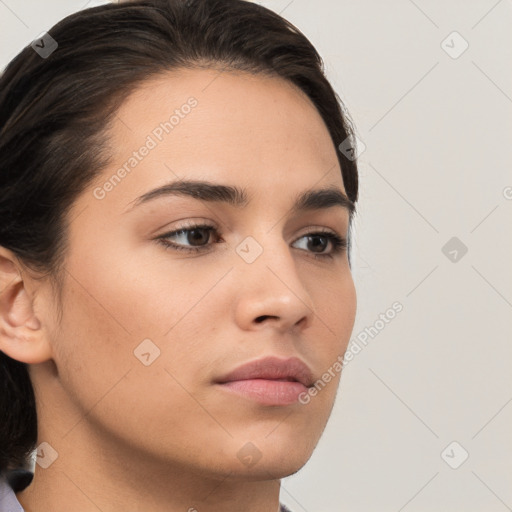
pixel 8 484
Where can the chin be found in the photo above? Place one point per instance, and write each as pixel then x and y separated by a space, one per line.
pixel 272 459
pixel 269 470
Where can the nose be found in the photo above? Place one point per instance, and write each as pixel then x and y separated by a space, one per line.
pixel 272 293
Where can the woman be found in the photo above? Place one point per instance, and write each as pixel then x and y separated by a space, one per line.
pixel 152 368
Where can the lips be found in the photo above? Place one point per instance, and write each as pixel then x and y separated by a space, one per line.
pixel 272 368
pixel 269 381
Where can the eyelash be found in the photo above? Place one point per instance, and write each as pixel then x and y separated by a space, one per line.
pixel 338 243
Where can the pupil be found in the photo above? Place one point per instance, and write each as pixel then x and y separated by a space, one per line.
pixel 322 244
pixel 195 235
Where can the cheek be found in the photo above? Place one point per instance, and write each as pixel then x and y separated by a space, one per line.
pixel 336 303
pixel 346 308
pixel 107 382
pixel 92 346
pixel 120 314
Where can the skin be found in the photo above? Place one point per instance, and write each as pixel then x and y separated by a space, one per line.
pixel 163 437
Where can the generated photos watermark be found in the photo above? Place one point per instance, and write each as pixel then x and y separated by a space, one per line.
pixel 156 136
pixel 353 348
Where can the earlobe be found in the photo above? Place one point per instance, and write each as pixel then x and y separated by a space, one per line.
pixel 21 334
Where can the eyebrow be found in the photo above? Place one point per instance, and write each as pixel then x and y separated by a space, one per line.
pixel 312 199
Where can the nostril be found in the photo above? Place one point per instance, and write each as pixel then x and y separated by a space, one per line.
pixel 263 317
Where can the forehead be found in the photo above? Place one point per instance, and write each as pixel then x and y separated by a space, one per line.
pixel 232 107
pixel 259 131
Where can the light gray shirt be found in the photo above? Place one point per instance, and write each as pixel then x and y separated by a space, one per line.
pixel 8 500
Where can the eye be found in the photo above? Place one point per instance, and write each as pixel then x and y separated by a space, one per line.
pixel 318 241
pixel 195 238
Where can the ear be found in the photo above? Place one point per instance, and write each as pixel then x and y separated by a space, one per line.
pixel 21 334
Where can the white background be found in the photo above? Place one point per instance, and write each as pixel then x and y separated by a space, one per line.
pixel 438 137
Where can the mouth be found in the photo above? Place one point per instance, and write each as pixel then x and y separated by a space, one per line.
pixel 269 381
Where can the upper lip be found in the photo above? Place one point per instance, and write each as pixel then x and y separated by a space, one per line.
pixel 271 368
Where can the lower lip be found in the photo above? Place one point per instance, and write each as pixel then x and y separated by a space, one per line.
pixel 267 392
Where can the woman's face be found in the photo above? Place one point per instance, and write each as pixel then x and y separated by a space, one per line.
pixel 148 331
